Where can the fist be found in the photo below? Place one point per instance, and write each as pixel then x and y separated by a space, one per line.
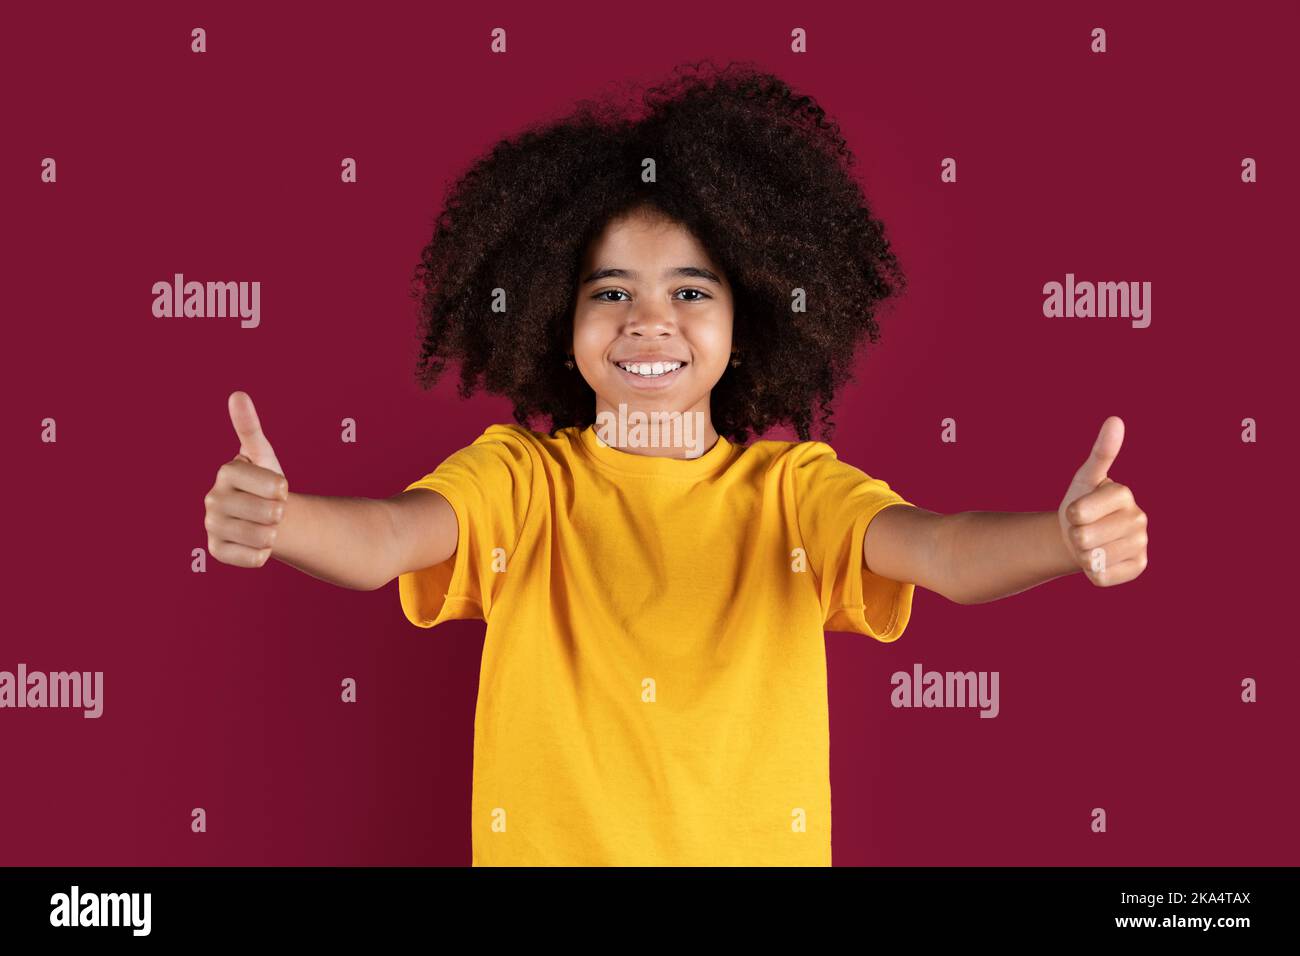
pixel 1104 530
pixel 246 503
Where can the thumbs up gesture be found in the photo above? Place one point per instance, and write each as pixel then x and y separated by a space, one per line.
pixel 247 501
pixel 1102 525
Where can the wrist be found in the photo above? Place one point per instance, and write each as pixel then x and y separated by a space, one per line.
pixel 1062 550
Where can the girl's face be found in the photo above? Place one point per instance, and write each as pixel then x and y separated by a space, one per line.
pixel 648 293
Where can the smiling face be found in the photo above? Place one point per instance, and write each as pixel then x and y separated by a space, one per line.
pixel 652 325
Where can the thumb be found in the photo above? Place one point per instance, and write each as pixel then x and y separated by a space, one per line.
pixel 1093 471
pixel 253 443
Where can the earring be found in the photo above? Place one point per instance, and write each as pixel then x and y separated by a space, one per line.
pixel 734 360
pixel 568 363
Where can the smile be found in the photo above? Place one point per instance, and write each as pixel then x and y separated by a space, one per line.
pixel 649 369
pixel 643 374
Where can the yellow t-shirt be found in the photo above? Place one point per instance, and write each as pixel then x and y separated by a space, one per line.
pixel 653 682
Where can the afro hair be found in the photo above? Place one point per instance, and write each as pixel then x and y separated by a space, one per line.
pixel 757 172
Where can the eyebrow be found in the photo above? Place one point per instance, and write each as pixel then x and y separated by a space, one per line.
pixel 694 272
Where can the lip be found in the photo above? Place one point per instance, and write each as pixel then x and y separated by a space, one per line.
pixel 650 384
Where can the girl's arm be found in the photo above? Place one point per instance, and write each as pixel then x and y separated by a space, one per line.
pixel 970 557
pixel 363 543
pixel 978 556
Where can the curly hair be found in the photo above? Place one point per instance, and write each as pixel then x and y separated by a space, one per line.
pixel 757 172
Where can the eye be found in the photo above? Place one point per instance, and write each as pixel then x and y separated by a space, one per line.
pixel 699 295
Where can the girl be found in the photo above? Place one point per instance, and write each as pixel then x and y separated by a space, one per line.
pixel 653 686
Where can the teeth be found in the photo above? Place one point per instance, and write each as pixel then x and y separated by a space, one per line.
pixel 650 369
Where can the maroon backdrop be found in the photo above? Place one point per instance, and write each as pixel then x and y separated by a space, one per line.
pixel 221 689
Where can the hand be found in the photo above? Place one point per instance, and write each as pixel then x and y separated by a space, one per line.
pixel 247 502
pixel 1104 530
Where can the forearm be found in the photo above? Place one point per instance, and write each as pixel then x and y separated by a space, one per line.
pixel 340 540
pixel 987 555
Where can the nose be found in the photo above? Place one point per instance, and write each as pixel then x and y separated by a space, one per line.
pixel 650 320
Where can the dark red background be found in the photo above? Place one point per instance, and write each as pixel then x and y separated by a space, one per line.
pixel 222 689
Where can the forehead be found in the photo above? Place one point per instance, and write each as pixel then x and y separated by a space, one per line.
pixel 645 237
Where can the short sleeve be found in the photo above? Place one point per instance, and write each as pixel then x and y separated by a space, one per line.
pixel 835 504
pixel 489 486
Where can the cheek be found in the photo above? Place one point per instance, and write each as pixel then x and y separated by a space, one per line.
pixel 716 337
pixel 591 340
pixel 585 331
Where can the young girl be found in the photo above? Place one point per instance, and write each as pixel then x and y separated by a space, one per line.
pixel 653 687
